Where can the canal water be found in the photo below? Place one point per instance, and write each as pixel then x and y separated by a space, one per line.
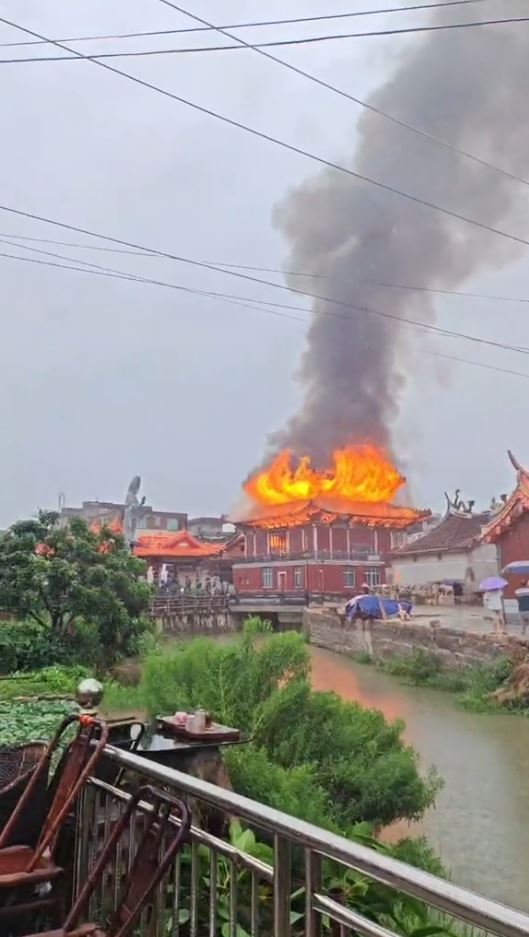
pixel 480 825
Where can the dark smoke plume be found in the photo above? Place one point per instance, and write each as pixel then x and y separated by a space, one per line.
pixel 469 87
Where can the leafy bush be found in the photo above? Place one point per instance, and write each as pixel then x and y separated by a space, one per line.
pixel 482 682
pixel 473 686
pixel 421 668
pixel 31 722
pixel 358 758
pixel 48 681
pixel 230 680
pixel 62 576
pixel 353 762
pixel 26 645
pixel 294 791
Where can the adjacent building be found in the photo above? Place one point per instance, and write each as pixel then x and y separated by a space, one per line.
pixel 451 551
pixel 508 530
pixel 111 514
pixel 208 528
pixel 317 547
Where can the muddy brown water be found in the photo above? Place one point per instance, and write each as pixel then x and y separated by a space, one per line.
pixel 480 824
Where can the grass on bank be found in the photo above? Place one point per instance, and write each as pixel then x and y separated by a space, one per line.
pixel 472 687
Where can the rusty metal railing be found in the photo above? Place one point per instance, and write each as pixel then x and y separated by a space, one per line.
pixel 263 879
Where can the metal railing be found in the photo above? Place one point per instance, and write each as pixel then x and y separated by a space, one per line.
pixel 225 887
pixel 357 555
pixel 188 604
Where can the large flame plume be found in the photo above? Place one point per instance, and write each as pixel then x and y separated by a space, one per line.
pixel 361 474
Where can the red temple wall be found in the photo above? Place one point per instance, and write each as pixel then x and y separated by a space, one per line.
pixel 329 539
pixel 312 577
pixel 514 545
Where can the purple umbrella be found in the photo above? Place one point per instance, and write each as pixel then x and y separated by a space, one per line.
pixel 492 584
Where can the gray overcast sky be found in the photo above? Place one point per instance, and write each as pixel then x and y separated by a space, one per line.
pixel 101 379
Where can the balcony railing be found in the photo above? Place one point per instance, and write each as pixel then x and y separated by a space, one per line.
pixel 320 556
pixel 219 888
pixel 187 604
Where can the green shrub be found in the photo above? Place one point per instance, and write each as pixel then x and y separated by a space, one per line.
pixel 231 680
pixel 481 684
pixel 31 722
pixel 27 645
pixel 356 760
pixel 358 757
pixel 420 668
pixel 294 791
pixel 48 681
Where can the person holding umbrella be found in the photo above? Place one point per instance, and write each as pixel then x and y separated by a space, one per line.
pixel 522 594
pixel 521 568
pixel 492 589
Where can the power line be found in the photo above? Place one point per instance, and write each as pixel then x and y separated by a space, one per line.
pixel 116 250
pixel 252 279
pixel 262 135
pixel 317 276
pixel 468 295
pixel 226 298
pixel 448 333
pixel 299 71
pixel 329 87
pixel 247 25
pixel 273 43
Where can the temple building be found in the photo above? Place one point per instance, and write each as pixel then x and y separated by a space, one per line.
pixel 451 551
pixel 323 546
pixel 180 560
pixel 508 529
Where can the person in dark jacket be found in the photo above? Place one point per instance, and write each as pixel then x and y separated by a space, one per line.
pixel 523 605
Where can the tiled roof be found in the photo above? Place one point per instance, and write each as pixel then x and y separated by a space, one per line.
pixel 181 544
pixel 516 505
pixel 457 531
pixel 327 510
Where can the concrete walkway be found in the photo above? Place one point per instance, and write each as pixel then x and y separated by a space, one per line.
pixel 463 618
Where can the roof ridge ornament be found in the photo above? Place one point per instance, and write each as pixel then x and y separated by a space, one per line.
pixel 516 464
pixel 457 506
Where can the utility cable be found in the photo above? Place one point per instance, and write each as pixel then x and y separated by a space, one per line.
pixel 13 238
pixel 247 25
pixel 273 43
pixel 115 250
pixel 245 276
pixel 262 135
pixel 447 333
pixel 237 302
pixel 329 87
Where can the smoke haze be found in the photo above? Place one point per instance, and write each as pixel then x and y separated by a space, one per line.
pixel 468 87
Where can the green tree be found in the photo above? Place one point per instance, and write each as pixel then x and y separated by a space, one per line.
pixel 65 577
pixel 231 680
pixel 306 746
pixel 357 757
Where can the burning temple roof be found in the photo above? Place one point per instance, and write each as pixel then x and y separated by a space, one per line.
pixel 328 510
pixel 181 544
pixel 517 504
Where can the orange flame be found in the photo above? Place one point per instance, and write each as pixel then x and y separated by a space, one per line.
pixel 360 473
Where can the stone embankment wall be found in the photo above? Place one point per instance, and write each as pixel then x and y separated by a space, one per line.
pixel 196 622
pixel 386 639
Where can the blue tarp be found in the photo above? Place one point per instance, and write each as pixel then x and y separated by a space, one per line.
pixel 368 606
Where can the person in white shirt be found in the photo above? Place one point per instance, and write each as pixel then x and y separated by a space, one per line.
pixel 493 602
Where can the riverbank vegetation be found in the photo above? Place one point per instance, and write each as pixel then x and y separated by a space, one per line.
pixel 474 688
pixel 76 593
pixel 308 753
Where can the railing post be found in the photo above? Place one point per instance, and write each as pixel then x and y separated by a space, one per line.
pixel 83 831
pixel 312 885
pixel 281 886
